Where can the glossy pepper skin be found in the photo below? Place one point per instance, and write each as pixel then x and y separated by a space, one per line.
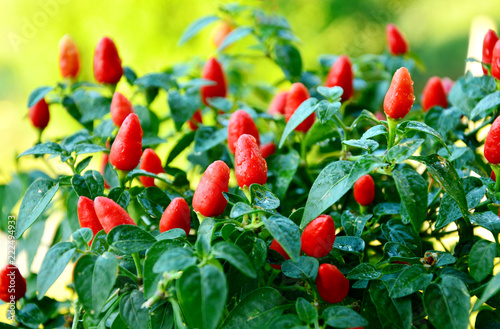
pixel 278 103
pixel 434 94
pixel 69 58
pixel 333 286
pixel 318 237
pixel 195 120
pixel 208 199
pixel 104 163
pixel 111 214
pixel 277 247
pixel 220 33
pixel 150 162
pixel 120 108
pixel 87 216
pixel 364 190
pixel 176 215
pixel 39 114
pixel 213 71
pixel 15 291
pixel 249 165
pixel 341 75
pixel 126 150
pixel 495 61
pixel 396 41
pixel 107 62
pixel 298 93
pixel 268 149
pixel 240 123
pixel 489 41
pixel 399 98
pixel 492 143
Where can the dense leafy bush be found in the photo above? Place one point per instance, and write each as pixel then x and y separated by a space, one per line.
pixel 354 219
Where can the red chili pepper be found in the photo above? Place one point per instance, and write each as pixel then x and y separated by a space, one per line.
pixel 104 163
pixel 364 190
pixel 12 284
pixel 297 95
pixel 318 237
pixel 39 114
pixel 489 41
pixel 398 45
pixel 69 58
pixel 120 108
pixel 493 176
pixel 332 284
pixel 491 145
pixel 495 61
pixel 87 216
pixel 341 75
pixel 240 123
pixel 249 165
pixel 176 215
pixel 107 62
pixel 126 150
pixel 220 33
pixel 447 84
pixel 434 94
pixel 213 71
pixel 399 98
pixel 150 162
pixel 277 247
pixel 278 103
pixel 268 149
pixel 195 120
pixel 208 199
pixel 111 214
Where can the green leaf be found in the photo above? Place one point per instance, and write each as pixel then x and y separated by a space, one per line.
pixel 443 120
pixel 364 271
pixel 366 144
pixel 154 201
pixel 181 145
pixel 154 80
pixel 488 220
pixel 343 317
pixel 349 244
pixel 91 104
pixel 421 127
pixel 162 317
pixel 202 294
pixel 182 107
pixel 234 36
pixel 44 148
pixel 481 259
pixel 354 223
pixel 305 268
pixel 486 106
pixel 103 279
pixel 235 256
pixel 132 312
pixel 83 164
pixel 90 185
pixel 392 313
pixel 410 280
pixel 491 289
pixel 175 259
pixel 394 251
pixel 403 151
pixel 35 200
pixel 387 208
pixel 256 310
pixel 128 239
pixel 303 112
pixel 394 230
pixel 263 198
pixel 326 111
pixel 283 168
pixel 375 131
pixel 468 90
pixel 111 176
pixel 305 310
pixel 120 195
pixel 289 60
pixel 286 233
pixel 82 237
pixel 53 265
pixel 220 103
pixel 333 94
pixel 86 148
pixel 444 173
pixel 208 137
pixel 37 95
pixel 195 27
pixel 242 208
pixel 82 278
pixel 448 303
pixel 99 244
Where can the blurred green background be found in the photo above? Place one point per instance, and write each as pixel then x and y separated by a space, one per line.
pixel 146 33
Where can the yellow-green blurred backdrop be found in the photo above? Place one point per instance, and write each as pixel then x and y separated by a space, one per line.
pixel 146 33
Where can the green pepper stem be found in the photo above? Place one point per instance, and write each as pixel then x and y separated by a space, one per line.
pixel 393 127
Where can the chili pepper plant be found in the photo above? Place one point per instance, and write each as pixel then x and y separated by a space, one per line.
pixel 333 197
